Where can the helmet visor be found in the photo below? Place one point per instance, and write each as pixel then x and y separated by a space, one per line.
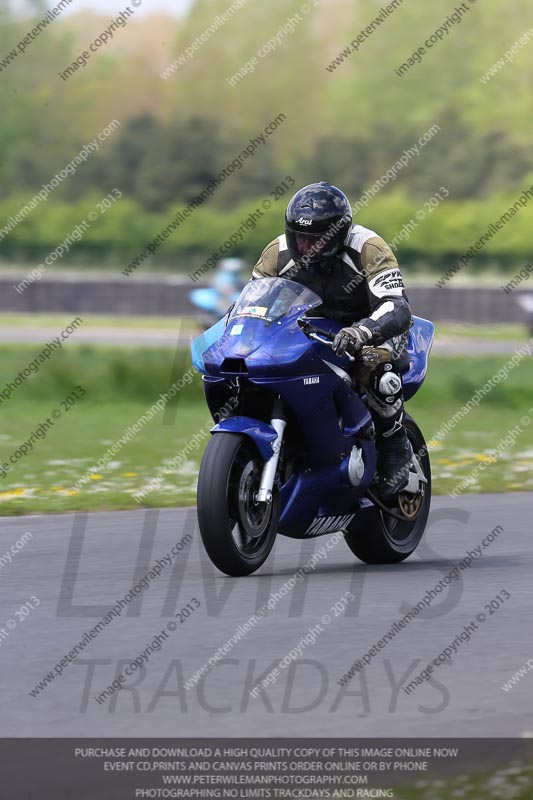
pixel 309 248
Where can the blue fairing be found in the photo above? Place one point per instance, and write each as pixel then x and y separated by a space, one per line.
pixel 280 349
pixel 283 348
pixel 204 342
pixel 420 340
pixel 261 433
pixel 262 353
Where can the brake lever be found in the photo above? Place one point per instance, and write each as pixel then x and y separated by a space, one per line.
pixel 312 333
pixel 328 342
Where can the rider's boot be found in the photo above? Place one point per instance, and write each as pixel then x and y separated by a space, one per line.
pixel 394 454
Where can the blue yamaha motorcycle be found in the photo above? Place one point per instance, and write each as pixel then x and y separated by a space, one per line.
pixel 295 452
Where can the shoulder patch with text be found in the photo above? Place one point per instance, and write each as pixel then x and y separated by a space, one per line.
pixel 387 283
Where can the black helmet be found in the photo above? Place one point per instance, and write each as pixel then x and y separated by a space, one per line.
pixel 317 222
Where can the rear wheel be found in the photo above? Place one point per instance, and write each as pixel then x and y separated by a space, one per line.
pixel 238 533
pixel 376 537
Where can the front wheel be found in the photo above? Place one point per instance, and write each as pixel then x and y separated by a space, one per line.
pixel 238 533
pixel 374 536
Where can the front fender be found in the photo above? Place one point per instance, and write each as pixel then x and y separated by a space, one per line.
pixel 259 432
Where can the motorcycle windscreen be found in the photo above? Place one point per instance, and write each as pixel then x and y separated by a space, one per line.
pixel 270 299
pixel 265 300
pixel 204 342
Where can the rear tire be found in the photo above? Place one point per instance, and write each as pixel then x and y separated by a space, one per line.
pixel 237 533
pixel 377 538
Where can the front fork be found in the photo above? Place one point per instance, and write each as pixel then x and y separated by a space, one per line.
pixel 278 422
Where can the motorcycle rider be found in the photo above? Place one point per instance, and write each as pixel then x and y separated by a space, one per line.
pixel 357 276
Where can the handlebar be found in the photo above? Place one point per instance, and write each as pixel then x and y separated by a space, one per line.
pixel 318 335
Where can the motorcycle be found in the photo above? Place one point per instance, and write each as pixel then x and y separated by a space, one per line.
pixel 293 451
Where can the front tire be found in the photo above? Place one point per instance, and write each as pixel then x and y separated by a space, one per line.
pixel 377 538
pixel 237 533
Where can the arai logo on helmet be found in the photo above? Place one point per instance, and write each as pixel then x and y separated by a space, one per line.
pixel 303 221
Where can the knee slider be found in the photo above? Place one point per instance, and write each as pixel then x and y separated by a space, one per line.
pixel 387 384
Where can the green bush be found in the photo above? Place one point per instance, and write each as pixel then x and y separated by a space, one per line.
pixel 125 230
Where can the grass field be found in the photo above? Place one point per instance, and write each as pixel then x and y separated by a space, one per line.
pixel 512 782
pixel 121 384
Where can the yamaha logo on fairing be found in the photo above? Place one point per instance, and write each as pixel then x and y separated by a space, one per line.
pixel 308 381
pixel 303 221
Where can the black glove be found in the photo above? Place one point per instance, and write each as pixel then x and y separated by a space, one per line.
pixel 351 340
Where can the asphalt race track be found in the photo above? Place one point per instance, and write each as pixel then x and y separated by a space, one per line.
pixel 78 566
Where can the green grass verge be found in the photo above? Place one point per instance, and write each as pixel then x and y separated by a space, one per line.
pixel 514 781
pixel 500 332
pixel 122 384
